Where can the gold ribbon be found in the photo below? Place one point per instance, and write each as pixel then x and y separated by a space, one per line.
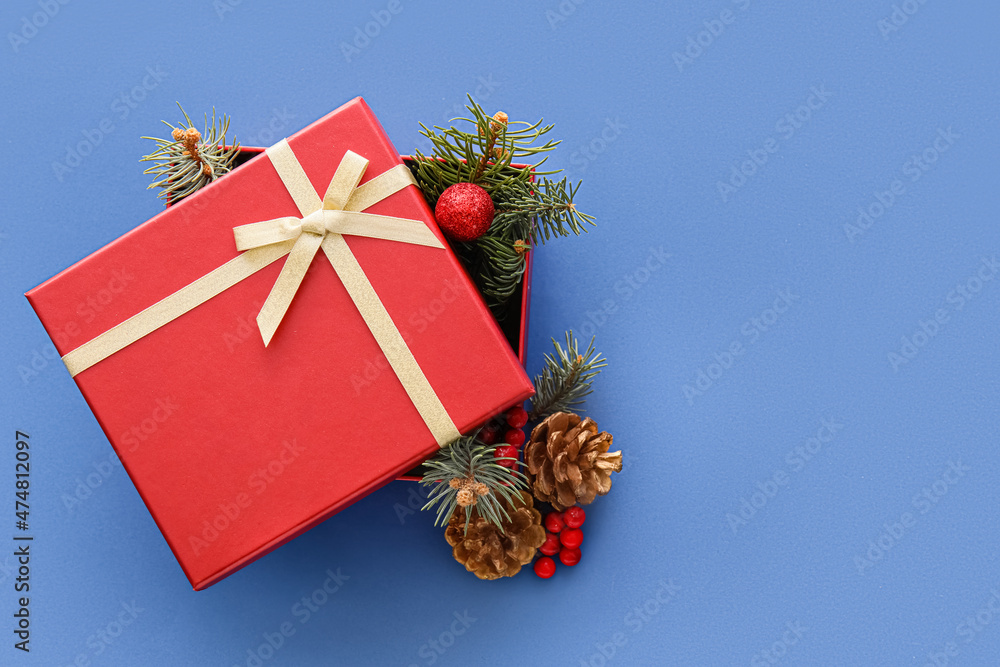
pixel 322 225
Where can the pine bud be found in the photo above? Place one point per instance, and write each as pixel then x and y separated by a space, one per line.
pixel 501 121
pixel 465 497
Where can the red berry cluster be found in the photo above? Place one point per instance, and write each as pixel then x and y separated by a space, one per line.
pixel 563 537
pixel 513 426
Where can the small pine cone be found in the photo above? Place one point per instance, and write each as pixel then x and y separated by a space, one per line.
pixel 490 553
pixel 568 461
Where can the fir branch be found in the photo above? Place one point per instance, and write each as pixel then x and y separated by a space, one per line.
pixel 565 381
pixel 469 466
pixel 549 204
pixel 500 269
pixel 482 149
pixel 190 159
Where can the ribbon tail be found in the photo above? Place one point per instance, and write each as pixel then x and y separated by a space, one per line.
pixel 287 285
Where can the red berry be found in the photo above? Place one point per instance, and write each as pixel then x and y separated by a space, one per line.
pixel 506 456
pixel 554 522
pixel 551 545
pixel 569 556
pixel 517 417
pixel 464 211
pixel 514 436
pixel 488 435
pixel 571 537
pixel 574 516
pixel 545 567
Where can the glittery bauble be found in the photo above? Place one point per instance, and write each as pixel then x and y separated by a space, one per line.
pixel 464 211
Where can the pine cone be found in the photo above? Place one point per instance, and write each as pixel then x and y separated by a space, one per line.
pixel 489 553
pixel 568 461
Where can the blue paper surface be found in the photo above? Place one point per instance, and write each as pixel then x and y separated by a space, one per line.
pixel 793 276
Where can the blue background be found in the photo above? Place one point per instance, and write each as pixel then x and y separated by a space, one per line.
pixel 835 560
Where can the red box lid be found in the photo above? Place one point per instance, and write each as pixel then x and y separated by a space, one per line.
pixel 236 448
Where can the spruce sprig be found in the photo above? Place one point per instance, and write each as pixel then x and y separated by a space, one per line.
pixel 190 159
pixel 566 379
pixel 486 150
pixel 468 468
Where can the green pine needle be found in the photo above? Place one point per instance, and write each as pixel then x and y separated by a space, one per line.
pixel 566 379
pixel 484 151
pixel 469 459
pixel 178 173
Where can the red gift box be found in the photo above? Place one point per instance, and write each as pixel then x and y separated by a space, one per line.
pixel 516 331
pixel 237 447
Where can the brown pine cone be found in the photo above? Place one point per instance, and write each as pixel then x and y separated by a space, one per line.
pixel 568 461
pixel 489 553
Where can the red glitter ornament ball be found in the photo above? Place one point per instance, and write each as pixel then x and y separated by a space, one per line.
pixel 464 211
pixel 545 567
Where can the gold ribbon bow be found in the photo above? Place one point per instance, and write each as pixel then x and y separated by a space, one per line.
pixel 322 225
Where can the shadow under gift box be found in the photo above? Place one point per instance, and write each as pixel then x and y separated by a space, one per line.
pixel 286 417
pixel 514 325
